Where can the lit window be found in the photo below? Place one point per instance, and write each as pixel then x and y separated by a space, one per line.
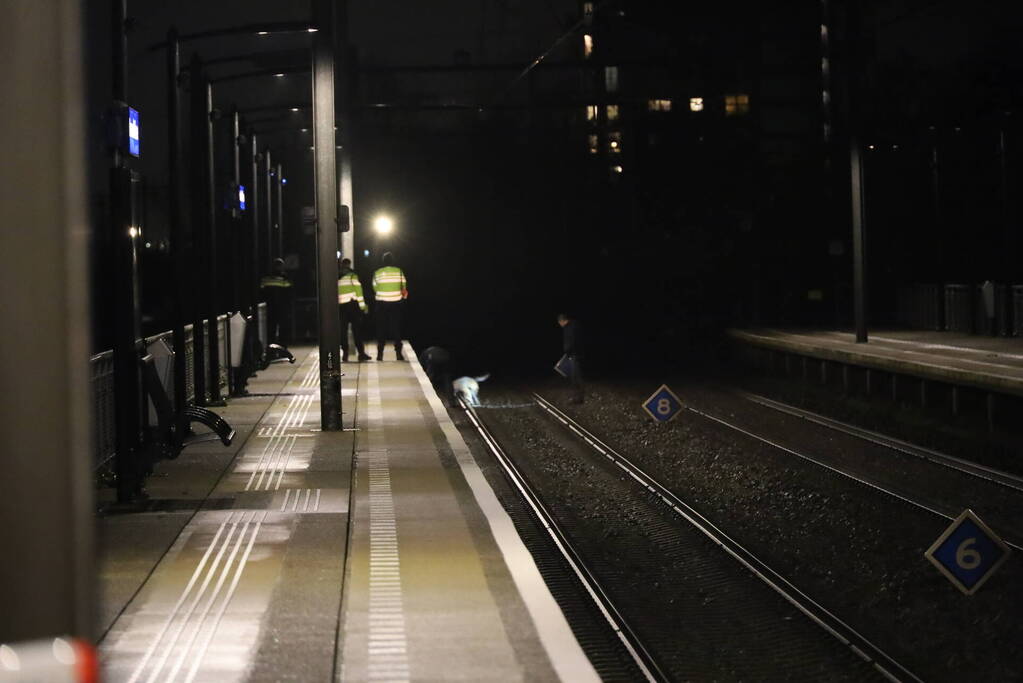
pixel 587 45
pixel 736 104
pixel 616 169
pixel 659 105
pixel 612 112
pixel 587 12
pixel 594 144
pixel 695 104
pixel 614 142
pixel 825 66
pixel 824 33
pixel 826 97
pixel 591 112
pixel 611 78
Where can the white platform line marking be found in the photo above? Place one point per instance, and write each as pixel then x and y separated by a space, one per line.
pixel 168 646
pixel 287 495
pixel 387 642
pixel 181 601
pixel 201 620
pixel 563 650
pixel 227 599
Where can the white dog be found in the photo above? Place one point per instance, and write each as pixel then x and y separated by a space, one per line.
pixel 468 389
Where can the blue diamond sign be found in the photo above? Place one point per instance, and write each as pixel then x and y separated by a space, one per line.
pixel 663 405
pixel 968 553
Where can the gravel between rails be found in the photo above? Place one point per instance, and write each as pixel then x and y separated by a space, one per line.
pixel 857 551
pixel 704 615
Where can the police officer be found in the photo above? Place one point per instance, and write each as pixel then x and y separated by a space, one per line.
pixel 278 291
pixel 351 307
pixel 390 290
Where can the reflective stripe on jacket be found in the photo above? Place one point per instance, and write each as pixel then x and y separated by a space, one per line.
pixel 350 289
pixel 274 281
pixel 388 283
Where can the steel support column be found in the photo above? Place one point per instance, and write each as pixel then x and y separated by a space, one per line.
pixel 254 213
pixel 269 213
pixel 859 241
pixel 212 301
pixel 279 207
pixel 329 325
pixel 127 318
pixel 200 235
pixel 175 230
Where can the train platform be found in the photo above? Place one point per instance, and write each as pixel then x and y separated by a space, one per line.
pixel 376 553
pixel 988 364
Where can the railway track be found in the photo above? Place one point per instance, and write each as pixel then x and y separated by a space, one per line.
pixel 987 484
pixel 972 469
pixel 719 569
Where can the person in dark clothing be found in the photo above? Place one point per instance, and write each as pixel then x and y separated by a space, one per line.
pixel 572 338
pixel 437 363
pixel 279 294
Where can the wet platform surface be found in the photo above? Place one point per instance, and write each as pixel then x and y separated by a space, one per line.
pixel 986 363
pixel 375 553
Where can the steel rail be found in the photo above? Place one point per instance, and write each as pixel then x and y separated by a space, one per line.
pixel 859 644
pixel 990 474
pixel 831 468
pixel 644 660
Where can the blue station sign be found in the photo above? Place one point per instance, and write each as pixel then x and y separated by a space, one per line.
pixel 134 136
pixel 968 553
pixel 664 405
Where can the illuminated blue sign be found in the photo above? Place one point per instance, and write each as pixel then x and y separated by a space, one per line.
pixel 134 140
pixel 241 197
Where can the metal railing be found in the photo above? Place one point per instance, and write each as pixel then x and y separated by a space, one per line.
pixel 102 380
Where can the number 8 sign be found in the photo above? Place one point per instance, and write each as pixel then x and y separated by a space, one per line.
pixel 663 405
pixel 968 553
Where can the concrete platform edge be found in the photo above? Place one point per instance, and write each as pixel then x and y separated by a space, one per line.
pixel 560 644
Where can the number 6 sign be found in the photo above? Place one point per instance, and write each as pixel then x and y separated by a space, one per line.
pixel 968 553
pixel 663 405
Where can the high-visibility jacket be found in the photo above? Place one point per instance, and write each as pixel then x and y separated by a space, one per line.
pixel 350 289
pixel 274 281
pixel 389 284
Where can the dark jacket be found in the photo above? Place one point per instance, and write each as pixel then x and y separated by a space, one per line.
pixel 572 336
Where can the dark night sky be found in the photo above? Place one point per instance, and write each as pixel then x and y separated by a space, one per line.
pixel 499 228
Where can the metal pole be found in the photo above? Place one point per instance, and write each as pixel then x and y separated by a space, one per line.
pixel 345 136
pixel 859 242
pixel 280 210
pixel 47 575
pixel 127 319
pixel 233 261
pixel 939 233
pixel 856 185
pixel 212 303
pixel 176 232
pixel 254 275
pixel 234 258
pixel 269 214
pixel 199 232
pixel 1008 250
pixel 329 325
